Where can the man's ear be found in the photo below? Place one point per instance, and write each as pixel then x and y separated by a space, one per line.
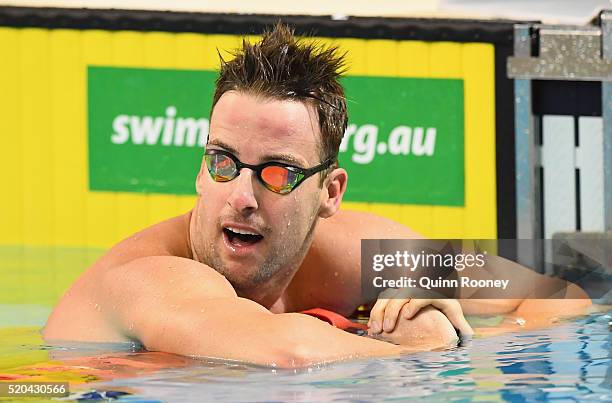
pixel 333 191
pixel 200 178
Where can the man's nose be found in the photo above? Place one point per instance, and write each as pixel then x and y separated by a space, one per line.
pixel 242 198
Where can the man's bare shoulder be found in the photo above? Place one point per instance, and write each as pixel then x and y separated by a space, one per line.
pixel 166 238
pixel 158 254
pixel 338 238
pixel 359 225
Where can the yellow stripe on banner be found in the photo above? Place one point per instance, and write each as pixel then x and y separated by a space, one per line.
pixel 381 58
pixel 160 50
pixel 356 56
pixel 186 203
pixel 445 61
pixel 191 52
pixel 69 146
pixel 69 152
pixel 127 49
pixel 37 156
pixel 37 152
pixel 252 39
pixel 418 218
pixel 225 45
pixel 413 59
pixel 101 225
pixel 480 173
pixel 12 202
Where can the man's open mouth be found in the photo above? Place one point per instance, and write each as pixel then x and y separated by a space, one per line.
pixel 239 237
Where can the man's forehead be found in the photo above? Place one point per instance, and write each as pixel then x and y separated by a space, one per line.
pixel 279 127
pixel 279 115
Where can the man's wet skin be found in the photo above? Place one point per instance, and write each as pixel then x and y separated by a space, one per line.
pixel 242 252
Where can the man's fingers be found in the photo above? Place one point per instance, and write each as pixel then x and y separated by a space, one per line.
pixel 452 309
pixel 377 315
pixel 449 307
pixel 392 310
pixel 415 306
pixel 456 318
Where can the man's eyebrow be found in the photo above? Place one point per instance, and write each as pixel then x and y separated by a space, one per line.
pixel 287 158
pixel 223 145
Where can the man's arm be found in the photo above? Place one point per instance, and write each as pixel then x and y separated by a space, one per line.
pixel 357 225
pixel 181 306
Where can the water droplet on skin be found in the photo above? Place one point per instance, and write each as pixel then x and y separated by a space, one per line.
pixel 97 307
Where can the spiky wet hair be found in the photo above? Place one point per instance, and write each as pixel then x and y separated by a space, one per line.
pixel 281 66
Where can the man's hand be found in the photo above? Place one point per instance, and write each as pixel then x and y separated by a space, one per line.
pixel 386 312
pixel 427 330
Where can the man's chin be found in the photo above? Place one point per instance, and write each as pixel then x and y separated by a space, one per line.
pixel 244 275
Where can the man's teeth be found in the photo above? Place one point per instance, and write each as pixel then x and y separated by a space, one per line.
pixel 241 231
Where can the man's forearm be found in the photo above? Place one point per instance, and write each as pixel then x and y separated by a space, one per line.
pixel 281 340
pixel 311 341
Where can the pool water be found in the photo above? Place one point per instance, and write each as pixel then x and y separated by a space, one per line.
pixel 568 362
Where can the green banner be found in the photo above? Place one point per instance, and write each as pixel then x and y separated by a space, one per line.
pixel 404 143
pixel 147 128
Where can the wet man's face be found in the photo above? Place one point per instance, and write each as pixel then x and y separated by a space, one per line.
pixel 246 232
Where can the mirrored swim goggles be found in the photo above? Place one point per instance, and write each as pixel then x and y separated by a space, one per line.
pixel 278 177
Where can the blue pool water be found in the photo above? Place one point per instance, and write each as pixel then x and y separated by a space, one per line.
pixel 569 362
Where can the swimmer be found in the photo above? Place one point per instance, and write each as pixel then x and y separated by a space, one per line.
pixel 265 239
